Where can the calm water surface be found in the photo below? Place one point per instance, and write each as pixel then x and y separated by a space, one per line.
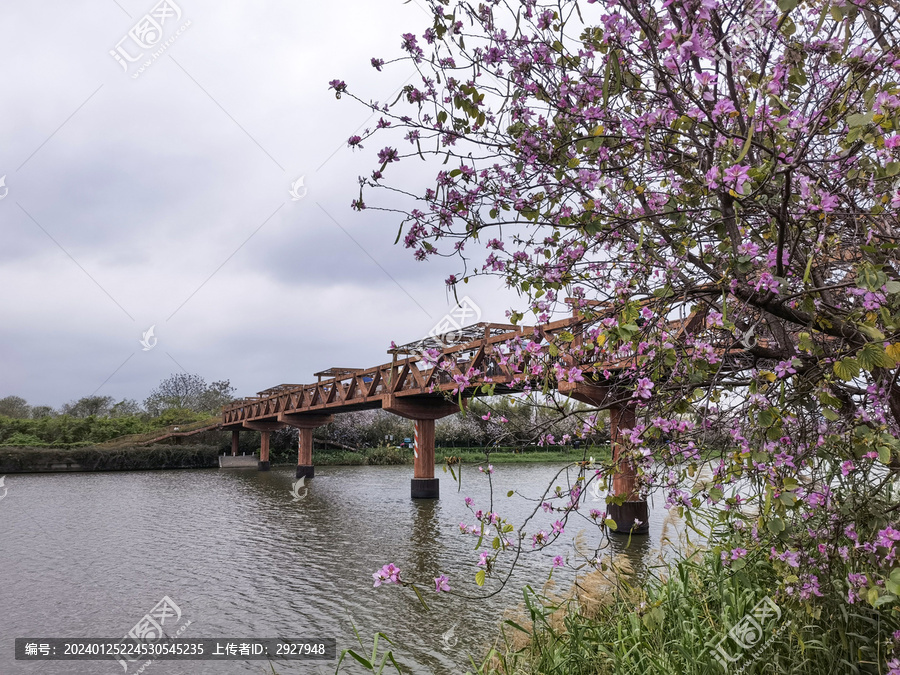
pixel 89 554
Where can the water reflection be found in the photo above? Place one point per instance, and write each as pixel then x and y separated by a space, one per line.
pixel 425 540
pixel 87 554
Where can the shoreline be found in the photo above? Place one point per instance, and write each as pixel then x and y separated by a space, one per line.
pixel 19 460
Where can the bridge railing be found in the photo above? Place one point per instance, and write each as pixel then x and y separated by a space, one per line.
pixel 414 376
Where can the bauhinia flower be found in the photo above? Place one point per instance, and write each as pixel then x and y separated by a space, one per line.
pixel 388 574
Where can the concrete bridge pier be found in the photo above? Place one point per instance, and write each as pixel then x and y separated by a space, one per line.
pixel 306 424
pixel 264 429
pixel 424 411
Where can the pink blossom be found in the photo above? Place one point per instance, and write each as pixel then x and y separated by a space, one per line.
pixel 388 574
pixel 644 387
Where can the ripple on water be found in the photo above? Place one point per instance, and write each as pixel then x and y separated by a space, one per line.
pixel 90 554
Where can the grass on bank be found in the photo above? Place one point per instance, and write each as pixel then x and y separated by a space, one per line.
pixel 677 622
pixel 382 456
pixel 168 456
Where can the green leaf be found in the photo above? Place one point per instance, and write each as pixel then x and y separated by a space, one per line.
pixel 509 494
pixel 510 622
pixel 872 332
pixel 496 543
pixel 893 168
pixel 860 119
pixel 479 577
pixel 364 662
pixel 716 494
pixel 892 287
pixel 787 498
pixel 846 369
pixel 419 595
pixel 830 414
pixel 611 524
pixel 787 5
pixel 872 356
pixel 872 596
pixel 775 526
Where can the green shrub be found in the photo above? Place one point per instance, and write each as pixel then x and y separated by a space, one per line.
pixel 384 456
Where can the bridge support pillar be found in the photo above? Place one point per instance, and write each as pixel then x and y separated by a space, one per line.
pixel 235 442
pixel 634 509
pixel 424 484
pixel 264 427
pixel 306 424
pixel 621 417
pixel 264 451
pixel 424 410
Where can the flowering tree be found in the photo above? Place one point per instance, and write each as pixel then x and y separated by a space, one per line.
pixel 645 159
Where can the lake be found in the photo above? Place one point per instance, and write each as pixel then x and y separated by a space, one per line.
pixel 90 554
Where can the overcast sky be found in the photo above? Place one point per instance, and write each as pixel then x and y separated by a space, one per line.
pixel 164 199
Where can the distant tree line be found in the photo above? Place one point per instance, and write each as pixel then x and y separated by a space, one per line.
pixel 181 398
pixel 184 398
pixel 181 391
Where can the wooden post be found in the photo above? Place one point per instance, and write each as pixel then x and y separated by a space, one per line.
pixel 621 417
pixel 305 466
pixel 424 449
pixel 306 423
pixel 423 411
pixel 235 442
pixel 424 484
pixel 264 450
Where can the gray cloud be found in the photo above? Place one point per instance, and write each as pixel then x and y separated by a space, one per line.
pixel 152 184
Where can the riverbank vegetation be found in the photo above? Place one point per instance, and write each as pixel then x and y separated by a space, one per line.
pixel 91 458
pixel 180 399
pixel 382 456
pixel 675 623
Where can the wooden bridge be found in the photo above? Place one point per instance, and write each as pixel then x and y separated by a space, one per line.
pixel 419 389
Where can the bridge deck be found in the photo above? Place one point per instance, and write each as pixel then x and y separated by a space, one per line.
pixel 414 377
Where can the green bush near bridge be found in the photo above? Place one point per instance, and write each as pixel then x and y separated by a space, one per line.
pixel 68 431
pixel 133 458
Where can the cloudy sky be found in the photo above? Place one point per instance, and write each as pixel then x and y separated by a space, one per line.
pixel 162 197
